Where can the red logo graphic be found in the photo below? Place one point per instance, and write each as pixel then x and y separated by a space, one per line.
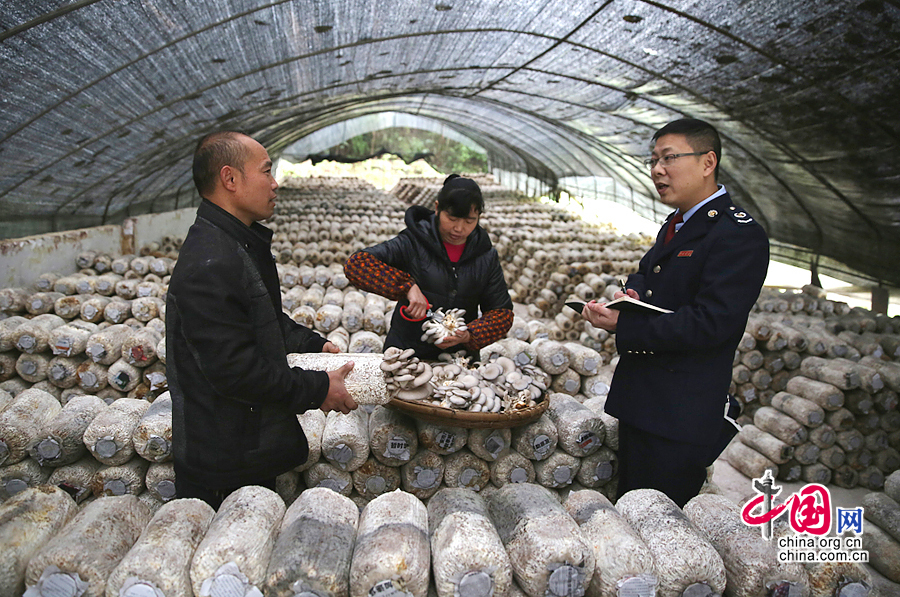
pixel 685 253
pixel 810 508
pixel 811 513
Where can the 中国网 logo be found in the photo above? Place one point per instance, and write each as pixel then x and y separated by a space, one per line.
pixel 806 537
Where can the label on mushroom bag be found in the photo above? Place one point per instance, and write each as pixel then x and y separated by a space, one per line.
pixel 228 581
pixel 445 439
pixel 386 588
pixel 518 475
pixel 57 372
pixel 562 475
pixel 468 478
pixel 494 444
pixel 541 445
pixel 135 587
pixel 603 472
pixel 565 581
pixel 88 379
pixel 14 486
pixel 341 453
pixel 56 583
pixel 426 478
pixel 376 485
pixel 475 583
pixel 587 440
pixel 121 380
pixel 157 380
pixel 336 485
pixel 301 589
pixel 636 586
pixel 397 448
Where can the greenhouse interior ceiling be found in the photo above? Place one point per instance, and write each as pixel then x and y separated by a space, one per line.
pixel 104 100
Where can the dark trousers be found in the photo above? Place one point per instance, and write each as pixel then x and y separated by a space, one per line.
pixel 648 461
pixel 187 488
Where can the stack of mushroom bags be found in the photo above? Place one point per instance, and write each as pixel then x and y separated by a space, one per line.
pixel 87 410
pixel 819 382
pixel 82 359
pixel 100 331
pixel 517 540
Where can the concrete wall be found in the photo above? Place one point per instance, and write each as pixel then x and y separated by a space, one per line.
pixel 22 260
pixel 152 227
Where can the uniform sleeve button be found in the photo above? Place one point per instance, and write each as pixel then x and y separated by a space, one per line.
pixel 649 293
pixel 657 269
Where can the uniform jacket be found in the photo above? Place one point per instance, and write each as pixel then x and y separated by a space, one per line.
pixel 476 280
pixel 234 397
pixel 674 370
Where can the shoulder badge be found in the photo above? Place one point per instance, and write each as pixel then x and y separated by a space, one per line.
pixel 741 217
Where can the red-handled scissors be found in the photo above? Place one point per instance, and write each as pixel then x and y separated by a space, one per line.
pixel 428 314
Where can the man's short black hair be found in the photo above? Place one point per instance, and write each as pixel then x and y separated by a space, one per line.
pixel 215 150
pixel 700 135
pixel 459 195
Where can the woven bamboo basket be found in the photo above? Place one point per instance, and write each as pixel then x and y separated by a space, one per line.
pixel 460 418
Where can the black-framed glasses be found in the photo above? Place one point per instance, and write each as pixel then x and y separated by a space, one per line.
pixel 669 159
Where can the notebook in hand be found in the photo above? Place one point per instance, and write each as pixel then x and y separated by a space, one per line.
pixel 624 303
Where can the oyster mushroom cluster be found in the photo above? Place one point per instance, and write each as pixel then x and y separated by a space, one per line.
pixel 443 324
pixel 406 377
pixel 461 388
pixel 496 386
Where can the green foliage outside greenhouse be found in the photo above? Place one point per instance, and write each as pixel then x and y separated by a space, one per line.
pixel 443 154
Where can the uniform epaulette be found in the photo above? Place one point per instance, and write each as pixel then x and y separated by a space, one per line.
pixel 741 217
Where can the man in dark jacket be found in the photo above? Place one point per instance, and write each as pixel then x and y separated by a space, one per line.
pixel 234 397
pixel 670 386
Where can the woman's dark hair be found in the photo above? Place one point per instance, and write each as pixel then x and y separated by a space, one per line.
pixel 459 195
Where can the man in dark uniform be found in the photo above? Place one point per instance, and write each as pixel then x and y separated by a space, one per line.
pixel 707 266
